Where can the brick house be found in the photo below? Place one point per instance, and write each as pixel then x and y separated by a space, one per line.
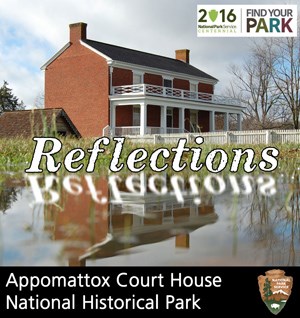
pixel 110 89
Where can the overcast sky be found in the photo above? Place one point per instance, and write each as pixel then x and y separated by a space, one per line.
pixel 32 31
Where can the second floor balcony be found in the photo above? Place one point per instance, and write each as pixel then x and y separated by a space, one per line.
pixel 167 92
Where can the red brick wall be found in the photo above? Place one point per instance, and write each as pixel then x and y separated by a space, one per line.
pixel 153 116
pixel 205 88
pixel 203 120
pixel 78 82
pixel 181 84
pixel 175 117
pixel 153 79
pixel 121 77
pixel 124 115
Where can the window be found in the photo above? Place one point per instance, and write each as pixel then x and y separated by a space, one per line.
pixel 136 119
pixel 193 87
pixel 168 83
pixel 170 117
pixel 193 90
pixel 194 121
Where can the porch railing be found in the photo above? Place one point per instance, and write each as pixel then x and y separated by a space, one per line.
pixel 135 130
pixel 153 90
pixel 123 131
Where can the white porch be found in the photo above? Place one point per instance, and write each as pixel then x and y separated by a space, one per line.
pixel 142 96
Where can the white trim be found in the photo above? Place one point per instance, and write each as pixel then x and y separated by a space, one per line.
pixel 181 112
pixel 112 110
pixel 172 102
pixel 55 56
pixel 163 118
pixel 143 118
pixel 170 78
pixel 138 72
pixel 197 87
pixel 130 91
pixel 107 58
pixel 162 72
pixel 194 82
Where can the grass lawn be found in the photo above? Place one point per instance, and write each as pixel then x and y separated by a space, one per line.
pixel 16 155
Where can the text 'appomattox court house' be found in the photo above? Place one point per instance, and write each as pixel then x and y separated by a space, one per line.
pixel 110 89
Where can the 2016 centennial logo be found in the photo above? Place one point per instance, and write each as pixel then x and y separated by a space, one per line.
pixel 247 20
pixel 275 289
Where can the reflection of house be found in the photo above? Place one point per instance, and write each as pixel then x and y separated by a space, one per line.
pixel 28 123
pixel 91 230
pixel 78 221
pixel 106 88
pixel 128 230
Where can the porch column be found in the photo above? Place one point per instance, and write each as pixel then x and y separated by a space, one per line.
pixel 226 121
pixel 212 120
pixel 113 118
pixel 163 118
pixel 181 119
pixel 143 121
pixel 239 121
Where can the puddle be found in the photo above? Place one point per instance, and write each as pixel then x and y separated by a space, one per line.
pixel 84 221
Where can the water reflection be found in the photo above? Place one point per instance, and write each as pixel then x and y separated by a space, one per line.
pixel 91 230
pixel 273 221
pixel 9 190
pixel 91 225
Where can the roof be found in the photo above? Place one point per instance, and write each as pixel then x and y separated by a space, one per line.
pixel 122 54
pixel 27 123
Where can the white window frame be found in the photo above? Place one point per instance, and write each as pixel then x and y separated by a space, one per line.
pixel 194 92
pixel 194 85
pixel 135 75
pixel 168 78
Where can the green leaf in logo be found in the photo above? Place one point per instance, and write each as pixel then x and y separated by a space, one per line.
pixel 213 14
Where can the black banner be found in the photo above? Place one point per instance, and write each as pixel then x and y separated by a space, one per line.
pixel 197 291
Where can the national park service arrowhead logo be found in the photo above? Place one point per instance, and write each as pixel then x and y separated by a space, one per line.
pixel 275 289
pixel 213 14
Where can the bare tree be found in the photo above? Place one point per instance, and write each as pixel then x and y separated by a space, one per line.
pixel 286 73
pixel 39 100
pixel 253 83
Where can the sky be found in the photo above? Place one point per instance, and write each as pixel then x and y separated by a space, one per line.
pixel 32 31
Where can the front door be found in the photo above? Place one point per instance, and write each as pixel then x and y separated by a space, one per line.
pixel 169 120
pixel 194 121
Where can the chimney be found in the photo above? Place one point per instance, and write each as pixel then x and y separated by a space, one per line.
pixel 77 32
pixel 183 55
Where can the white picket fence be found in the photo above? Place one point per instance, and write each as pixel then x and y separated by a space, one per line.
pixel 228 137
